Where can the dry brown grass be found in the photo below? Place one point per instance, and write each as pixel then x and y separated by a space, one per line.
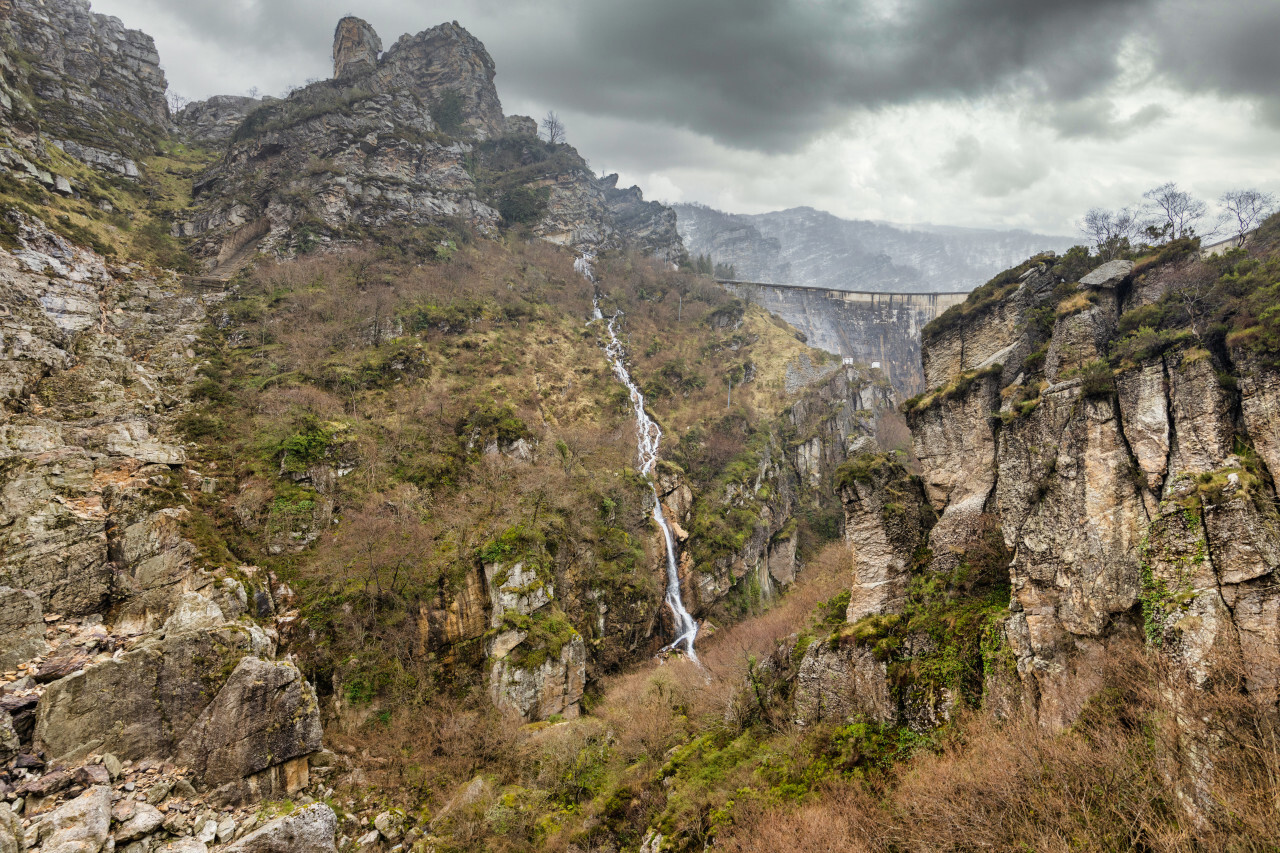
pixel 1126 776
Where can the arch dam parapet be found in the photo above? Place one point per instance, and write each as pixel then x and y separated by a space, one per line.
pixel 865 326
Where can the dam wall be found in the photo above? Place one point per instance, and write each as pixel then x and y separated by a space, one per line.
pixel 867 327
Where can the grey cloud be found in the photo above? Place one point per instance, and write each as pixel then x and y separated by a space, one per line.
pixel 1096 118
pixel 1229 49
pixel 771 74
pixel 768 75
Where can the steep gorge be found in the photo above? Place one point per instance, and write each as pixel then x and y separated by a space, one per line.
pixel 321 525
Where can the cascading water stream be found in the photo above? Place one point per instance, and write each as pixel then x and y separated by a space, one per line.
pixel 649 436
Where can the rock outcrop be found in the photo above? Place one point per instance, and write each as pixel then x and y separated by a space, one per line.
pixel 97 88
pixel 213 122
pixel 412 137
pixel 355 48
pixel 121 649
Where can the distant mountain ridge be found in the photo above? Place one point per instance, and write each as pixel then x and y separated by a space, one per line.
pixel 811 247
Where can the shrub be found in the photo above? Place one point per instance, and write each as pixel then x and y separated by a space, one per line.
pixel 1097 379
pixel 523 205
pixel 447 112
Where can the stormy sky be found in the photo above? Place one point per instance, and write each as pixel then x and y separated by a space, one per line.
pixel 987 113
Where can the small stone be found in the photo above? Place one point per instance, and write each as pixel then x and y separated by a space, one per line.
pixel 123 810
pixel 157 792
pixel 60 664
pixel 207 831
pixel 183 788
pixel 175 823
pixel 129 786
pixel 93 774
pixel 46 785
pixel 145 820
pixel 114 768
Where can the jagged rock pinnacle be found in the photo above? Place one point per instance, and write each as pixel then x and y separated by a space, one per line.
pixel 355 47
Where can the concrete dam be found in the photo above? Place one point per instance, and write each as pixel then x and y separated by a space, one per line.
pixel 867 327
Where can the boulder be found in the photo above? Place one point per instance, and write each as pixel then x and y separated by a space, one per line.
pixel 141 704
pixel 837 682
pixel 11 834
pixel 1109 274
pixel 145 820
pixel 265 715
pixel 78 826
pixel 310 830
pixel 65 661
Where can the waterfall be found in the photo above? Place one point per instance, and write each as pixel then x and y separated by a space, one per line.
pixel 649 439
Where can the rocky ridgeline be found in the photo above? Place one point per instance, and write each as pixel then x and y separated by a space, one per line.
pixel 142 695
pixel 812 248
pixel 1136 501
pixel 413 136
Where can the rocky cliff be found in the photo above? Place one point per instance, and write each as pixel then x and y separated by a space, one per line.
pixel 84 81
pixel 129 664
pixel 808 247
pixel 1097 443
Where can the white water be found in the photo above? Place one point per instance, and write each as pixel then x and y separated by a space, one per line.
pixel 649 439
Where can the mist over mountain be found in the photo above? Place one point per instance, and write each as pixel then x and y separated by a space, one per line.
pixel 811 247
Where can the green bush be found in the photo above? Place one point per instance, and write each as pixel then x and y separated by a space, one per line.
pixel 523 205
pixel 447 112
pixel 1097 379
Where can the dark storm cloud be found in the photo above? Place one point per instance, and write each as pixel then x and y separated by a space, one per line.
pixel 771 75
pixel 1229 49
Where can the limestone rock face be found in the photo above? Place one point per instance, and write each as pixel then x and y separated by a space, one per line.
pixel 97 85
pixel 89 365
pixel 21 626
pixel 886 520
pixel 1128 501
pixel 214 121
pixel 552 686
pixel 956 445
pixel 837 413
pixel 355 47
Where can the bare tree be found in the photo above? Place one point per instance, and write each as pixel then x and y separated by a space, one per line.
pixel 1243 210
pixel 1112 231
pixel 553 128
pixel 1176 211
pixel 176 102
